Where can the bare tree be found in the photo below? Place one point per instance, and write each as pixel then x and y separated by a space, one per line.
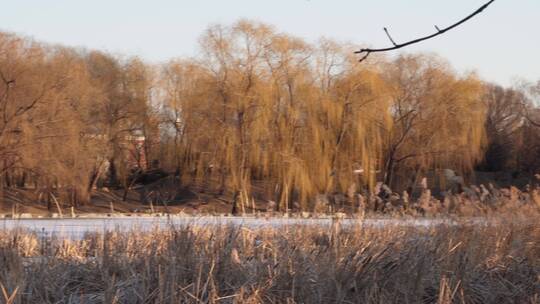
pixel 533 91
pixel 506 109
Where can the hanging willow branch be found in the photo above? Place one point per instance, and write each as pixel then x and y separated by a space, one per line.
pixel 367 51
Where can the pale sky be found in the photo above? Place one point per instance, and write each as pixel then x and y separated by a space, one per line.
pixel 501 44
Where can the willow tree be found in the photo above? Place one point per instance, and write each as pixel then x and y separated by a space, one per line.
pixel 437 119
pixel 340 113
pixel 24 83
pixel 44 93
pixel 233 57
pixel 352 109
pixel 265 113
pixel 296 119
pixel 60 154
pixel 288 62
pixel 192 120
pixel 121 110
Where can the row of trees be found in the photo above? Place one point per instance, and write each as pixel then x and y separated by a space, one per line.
pixel 66 113
pixel 257 113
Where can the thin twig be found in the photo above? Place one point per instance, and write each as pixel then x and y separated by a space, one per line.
pixel 390 37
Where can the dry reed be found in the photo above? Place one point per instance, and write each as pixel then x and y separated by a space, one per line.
pixel 492 263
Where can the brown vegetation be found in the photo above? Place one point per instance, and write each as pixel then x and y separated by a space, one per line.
pixel 259 115
pixel 494 263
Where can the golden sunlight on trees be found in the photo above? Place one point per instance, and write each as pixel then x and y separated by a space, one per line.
pixel 437 119
pixel 43 90
pixel 301 120
pixel 259 115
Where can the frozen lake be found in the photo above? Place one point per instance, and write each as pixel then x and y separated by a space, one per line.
pixel 77 227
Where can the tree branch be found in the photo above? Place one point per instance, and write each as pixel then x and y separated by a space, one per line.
pixel 390 37
pixel 531 121
pixel 367 51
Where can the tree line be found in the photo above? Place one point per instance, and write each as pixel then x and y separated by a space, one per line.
pixel 256 113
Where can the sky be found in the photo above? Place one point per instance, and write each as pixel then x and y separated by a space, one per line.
pixel 502 44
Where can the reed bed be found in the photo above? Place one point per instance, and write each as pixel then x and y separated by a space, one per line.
pixel 497 262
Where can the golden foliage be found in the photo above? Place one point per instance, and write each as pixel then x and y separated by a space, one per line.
pixel 258 109
pixel 305 119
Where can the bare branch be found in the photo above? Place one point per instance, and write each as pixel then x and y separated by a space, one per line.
pixel 390 37
pixel 531 121
pixel 367 51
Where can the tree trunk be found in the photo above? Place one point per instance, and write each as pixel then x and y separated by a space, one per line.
pixel 236 196
pixel 22 180
pixel 389 171
pixel 94 177
pixel 113 175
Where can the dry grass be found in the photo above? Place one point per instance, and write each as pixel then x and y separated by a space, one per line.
pixel 497 263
